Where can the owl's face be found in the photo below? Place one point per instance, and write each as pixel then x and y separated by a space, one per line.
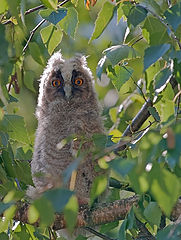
pixel 66 80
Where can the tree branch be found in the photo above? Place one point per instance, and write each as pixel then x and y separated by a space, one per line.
pixel 100 214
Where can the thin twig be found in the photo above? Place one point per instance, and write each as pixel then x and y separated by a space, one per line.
pixel 31 10
pixel 102 236
pixel 32 32
pixel 142 93
pixel 144 129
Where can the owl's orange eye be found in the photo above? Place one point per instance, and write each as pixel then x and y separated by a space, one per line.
pixel 56 83
pixel 78 81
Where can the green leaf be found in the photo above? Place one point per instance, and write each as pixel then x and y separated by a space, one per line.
pixel 122 230
pixel 98 187
pixel 51 37
pixel 70 213
pixel 153 53
pixel 14 8
pixel 14 125
pixel 153 214
pixel 100 140
pixel 104 17
pixel 4 236
pixel 100 66
pixel 151 5
pixel 121 76
pixel 8 164
pixel 58 197
pixel 46 211
pixel 4 46
pixel 119 52
pixel 137 15
pixel 171 232
pixel 53 16
pixel 4 139
pixel 70 23
pixel 29 80
pixel 23 171
pixel 50 3
pixel 173 15
pixel 131 219
pixel 4 206
pixel 21 155
pixel 162 79
pixel 120 12
pixel 36 53
pixel 122 166
pixel 158 35
pixel 3 6
pixel 109 226
pixel 165 187
pixel 154 113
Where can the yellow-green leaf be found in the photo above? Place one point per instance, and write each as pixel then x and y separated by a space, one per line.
pixel 104 17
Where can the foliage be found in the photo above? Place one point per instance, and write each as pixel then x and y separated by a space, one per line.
pixel 140 54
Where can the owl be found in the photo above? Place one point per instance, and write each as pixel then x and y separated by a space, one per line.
pixel 67 106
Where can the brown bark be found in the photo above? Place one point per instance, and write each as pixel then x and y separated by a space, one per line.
pixel 100 214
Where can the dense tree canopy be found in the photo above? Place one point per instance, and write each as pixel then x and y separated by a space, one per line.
pixel 134 51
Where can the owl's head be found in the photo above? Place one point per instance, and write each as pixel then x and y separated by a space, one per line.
pixel 66 80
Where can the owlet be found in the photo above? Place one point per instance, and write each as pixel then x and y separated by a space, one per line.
pixel 67 106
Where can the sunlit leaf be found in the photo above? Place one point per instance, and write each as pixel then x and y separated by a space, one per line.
pixel 120 76
pixel 3 6
pixel 70 213
pixel 14 8
pixel 158 35
pixel 98 187
pixel 104 17
pixel 70 23
pixel 51 37
pixel 167 185
pixel 50 3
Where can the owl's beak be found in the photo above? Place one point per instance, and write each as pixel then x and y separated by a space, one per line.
pixel 68 91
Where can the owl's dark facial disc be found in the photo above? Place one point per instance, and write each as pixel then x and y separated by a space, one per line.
pixel 68 88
